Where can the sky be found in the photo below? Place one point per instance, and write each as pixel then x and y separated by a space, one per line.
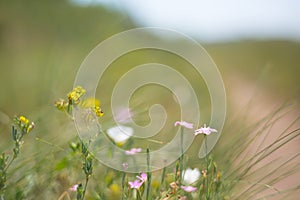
pixel 214 20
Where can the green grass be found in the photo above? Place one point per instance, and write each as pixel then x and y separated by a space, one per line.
pixel 41 48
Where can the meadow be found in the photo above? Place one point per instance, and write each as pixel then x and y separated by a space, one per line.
pixel 42 45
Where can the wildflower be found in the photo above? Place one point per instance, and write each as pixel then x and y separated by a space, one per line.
pixel 30 127
pixel 125 165
pixel 133 151
pixel 136 184
pixel 92 103
pixel 115 189
pixel 24 121
pixel 188 188
pixel 143 177
pixel 75 94
pixel 89 102
pixel 74 188
pixel 98 111
pixel 61 104
pixel 120 134
pixel 184 124
pixel 205 130
pixel 190 176
pixel 24 124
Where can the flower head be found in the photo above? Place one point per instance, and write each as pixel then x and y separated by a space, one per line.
pixel 188 188
pixel 190 176
pixel 24 124
pixel 61 104
pixel 205 130
pixel 136 184
pixel 120 134
pixel 75 94
pixel 143 177
pixel 184 124
pixel 125 165
pixel 98 111
pixel 74 188
pixel 133 151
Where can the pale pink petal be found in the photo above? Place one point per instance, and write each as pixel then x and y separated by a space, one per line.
pixel 184 124
pixel 74 188
pixel 135 184
pixel 143 177
pixel 189 188
pixel 205 130
pixel 133 151
pixel 125 165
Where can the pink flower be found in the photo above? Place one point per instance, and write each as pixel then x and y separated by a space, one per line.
pixel 205 130
pixel 188 188
pixel 74 188
pixel 135 184
pixel 184 124
pixel 125 165
pixel 143 177
pixel 133 151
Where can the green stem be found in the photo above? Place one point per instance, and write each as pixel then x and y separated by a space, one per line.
pixel 123 185
pixel 85 186
pixel 163 178
pixel 148 174
pixel 8 165
pixel 206 159
pixel 181 156
pixel 139 197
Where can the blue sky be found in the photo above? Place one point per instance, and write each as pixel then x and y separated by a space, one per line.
pixel 215 20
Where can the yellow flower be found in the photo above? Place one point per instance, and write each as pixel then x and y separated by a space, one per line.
pixel 24 124
pixel 23 120
pixel 61 104
pixel 89 103
pixel 115 189
pixel 30 127
pixel 98 111
pixel 92 103
pixel 75 94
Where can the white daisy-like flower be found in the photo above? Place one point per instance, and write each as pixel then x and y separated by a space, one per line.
pixel 120 134
pixel 190 176
pixel 205 130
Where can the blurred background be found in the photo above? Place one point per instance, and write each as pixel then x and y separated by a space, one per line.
pixel 256 46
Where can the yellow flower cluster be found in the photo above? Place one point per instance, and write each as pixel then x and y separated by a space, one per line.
pixel 61 104
pixel 75 94
pixel 94 104
pixel 98 111
pixel 24 124
pixel 75 99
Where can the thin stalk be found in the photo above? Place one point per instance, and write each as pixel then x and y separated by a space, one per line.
pixel 85 186
pixel 181 156
pixel 163 178
pixel 123 184
pixel 206 160
pixel 148 174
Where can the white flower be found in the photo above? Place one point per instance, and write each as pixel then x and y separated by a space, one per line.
pixel 205 130
pixel 190 176
pixel 120 134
